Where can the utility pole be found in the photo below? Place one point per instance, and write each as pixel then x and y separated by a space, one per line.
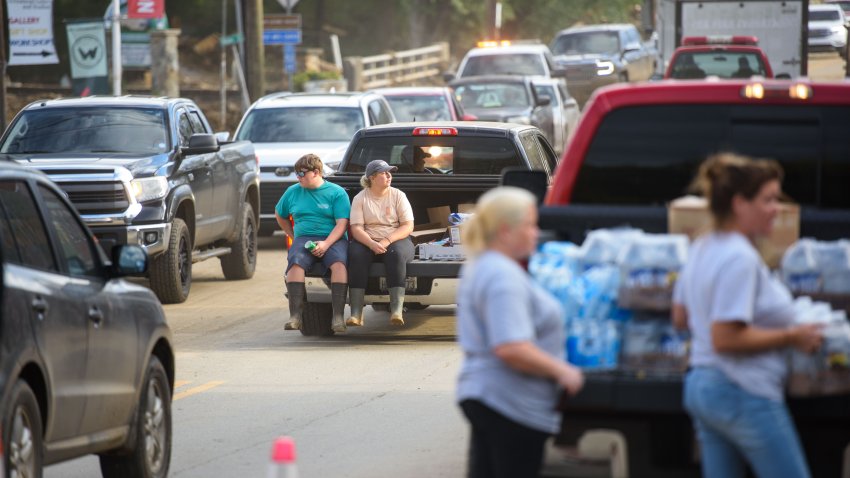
pixel 254 54
pixel 2 69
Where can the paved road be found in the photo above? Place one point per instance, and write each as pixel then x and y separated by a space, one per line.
pixel 376 402
pixel 826 67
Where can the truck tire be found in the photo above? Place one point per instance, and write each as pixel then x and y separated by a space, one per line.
pixel 22 439
pixel 316 320
pixel 151 455
pixel 171 271
pixel 242 260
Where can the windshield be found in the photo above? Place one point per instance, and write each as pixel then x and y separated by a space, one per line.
pixel 505 64
pixel 594 43
pixel 420 108
pixel 717 63
pixel 134 131
pixel 301 124
pixel 824 15
pixel 493 95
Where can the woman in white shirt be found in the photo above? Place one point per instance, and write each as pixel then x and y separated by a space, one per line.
pixel 740 317
pixel 381 223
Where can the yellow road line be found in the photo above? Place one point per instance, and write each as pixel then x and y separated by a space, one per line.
pixel 180 383
pixel 194 390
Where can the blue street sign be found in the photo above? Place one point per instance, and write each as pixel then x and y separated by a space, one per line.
pixel 281 37
pixel 289 58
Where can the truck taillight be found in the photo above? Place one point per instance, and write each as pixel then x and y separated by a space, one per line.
pixel 794 91
pixel 721 40
pixel 435 132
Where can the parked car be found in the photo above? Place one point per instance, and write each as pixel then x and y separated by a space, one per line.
pixel 720 56
pixel 507 58
pixel 827 28
pixel 286 126
pixel 565 111
pixel 598 55
pixel 86 358
pixel 424 103
pixel 511 99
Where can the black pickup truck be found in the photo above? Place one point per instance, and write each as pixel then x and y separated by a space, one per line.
pixel 439 164
pixel 148 171
pixel 636 149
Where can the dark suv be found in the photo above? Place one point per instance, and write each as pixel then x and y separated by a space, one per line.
pixel 86 362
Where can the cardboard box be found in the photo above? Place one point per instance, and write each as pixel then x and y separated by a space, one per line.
pixel 690 215
pixel 427 235
pixel 465 208
pixel 454 234
pixel 439 215
pixel 438 252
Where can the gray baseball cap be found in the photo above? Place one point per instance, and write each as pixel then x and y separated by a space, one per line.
pixel 378 166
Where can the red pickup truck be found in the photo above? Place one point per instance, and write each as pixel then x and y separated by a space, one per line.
pixel 636 148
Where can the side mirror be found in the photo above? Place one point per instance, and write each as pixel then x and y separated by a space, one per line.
pixel 631 47
pixel 534 181
pixel 448 76
pixel 544 100
pixel 128 259
pixel 201 143
pixel 222 136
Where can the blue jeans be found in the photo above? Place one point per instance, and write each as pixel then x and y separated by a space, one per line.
pixel 736 428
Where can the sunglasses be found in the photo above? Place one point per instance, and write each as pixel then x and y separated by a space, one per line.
pixel 302 173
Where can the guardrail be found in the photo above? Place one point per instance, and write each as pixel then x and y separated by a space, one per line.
pixel 400 68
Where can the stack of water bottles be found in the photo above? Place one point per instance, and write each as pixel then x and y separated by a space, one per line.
pixel 588 279
pixel 827 371
pixel 818 267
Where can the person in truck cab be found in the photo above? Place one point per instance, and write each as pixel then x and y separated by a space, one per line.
pixel 381 223
pixel 740 319
pixel 320 212
pixel 744 69
pixel 512 335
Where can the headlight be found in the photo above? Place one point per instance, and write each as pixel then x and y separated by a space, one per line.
pixel 604 68
pixel 518 119
pixel 837 29
pixel 148 189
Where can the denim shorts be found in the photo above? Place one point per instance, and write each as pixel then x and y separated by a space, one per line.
pixel 338 252
pixel 736 428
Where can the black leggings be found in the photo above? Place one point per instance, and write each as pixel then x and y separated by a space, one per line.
pixel 395 260
pixel 500 447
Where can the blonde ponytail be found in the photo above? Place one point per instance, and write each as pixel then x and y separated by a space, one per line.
pixel 505 205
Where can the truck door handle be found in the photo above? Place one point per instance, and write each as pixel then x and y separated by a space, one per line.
pixel 95 315
pixel 39 305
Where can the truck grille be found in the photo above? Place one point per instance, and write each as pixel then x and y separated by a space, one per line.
pixel 270 194
pixel 818 33
pixel 97 197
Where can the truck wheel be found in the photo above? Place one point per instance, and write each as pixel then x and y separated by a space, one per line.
pixel 242 260
pixel 171 271
pixel 151 455
pixel 316 319
pixel 22 438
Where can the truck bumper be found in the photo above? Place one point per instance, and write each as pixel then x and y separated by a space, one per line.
pixel 443 292
pixel 152 237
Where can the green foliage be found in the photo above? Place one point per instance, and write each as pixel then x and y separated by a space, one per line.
pixel 299 79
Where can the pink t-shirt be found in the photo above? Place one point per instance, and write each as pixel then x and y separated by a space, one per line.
pixel 380 216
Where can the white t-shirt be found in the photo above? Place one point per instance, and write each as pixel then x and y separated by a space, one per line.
pixel 380 216
pixel 725 279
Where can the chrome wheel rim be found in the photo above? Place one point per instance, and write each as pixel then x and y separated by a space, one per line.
pixel 21 446
pixel 155 427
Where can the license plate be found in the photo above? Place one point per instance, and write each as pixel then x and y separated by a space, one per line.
pixel 409 284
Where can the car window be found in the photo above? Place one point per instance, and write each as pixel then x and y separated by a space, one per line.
pixel 436 155
pixel 717 63
pixel 30 236
pixel 197 124
pixel 530 64
pixel 379 113
pixel 76 250
pixel 493 95
pixel 824 15
pixel 599 43
pixel 301 124
pixel 184 127
pixel 532 150
pixel 650 154
pixel 548 153
pixel 420 107
pixel 547 90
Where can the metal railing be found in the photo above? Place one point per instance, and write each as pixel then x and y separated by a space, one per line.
pixel 401 68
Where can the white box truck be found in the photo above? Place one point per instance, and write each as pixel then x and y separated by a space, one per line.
pixel 780 25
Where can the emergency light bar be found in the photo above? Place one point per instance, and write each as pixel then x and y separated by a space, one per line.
pixel 435 132
pixel 493 43
pixel 721 40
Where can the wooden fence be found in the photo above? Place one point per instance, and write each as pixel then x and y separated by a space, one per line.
pixel 401 68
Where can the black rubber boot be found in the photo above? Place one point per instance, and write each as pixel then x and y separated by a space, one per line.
pixel 396 305
pixel 297 293
pixel 355 300
pixel 339 293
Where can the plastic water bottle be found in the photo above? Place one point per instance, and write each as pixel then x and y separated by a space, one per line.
pixel 833 260
pixel 282 463
pixel 310 245
pixel 799 268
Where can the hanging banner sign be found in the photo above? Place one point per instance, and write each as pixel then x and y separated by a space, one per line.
pixel 31 32
pixel 87 45
pixel 145 8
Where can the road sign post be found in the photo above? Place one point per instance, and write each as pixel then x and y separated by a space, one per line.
pixel 284 30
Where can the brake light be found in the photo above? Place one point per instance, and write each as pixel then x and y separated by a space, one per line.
pixel 758 91
pixel 721 40
pixel 435 132
pixel 493 43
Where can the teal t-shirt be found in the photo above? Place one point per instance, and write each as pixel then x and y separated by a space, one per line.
pixel 314 211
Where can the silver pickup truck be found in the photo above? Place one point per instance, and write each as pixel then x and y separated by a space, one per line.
pixel 148 171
